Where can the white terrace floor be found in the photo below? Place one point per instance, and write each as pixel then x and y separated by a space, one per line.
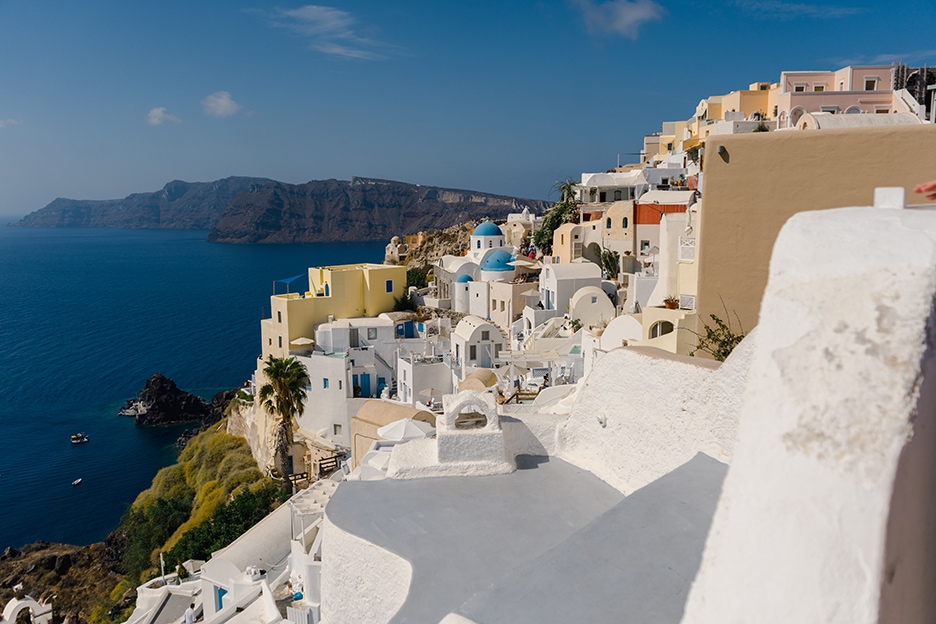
pixel 548 543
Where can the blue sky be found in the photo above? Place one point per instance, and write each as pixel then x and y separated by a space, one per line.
pixel 99 99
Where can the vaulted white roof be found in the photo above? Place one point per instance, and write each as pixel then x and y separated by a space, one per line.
pixel 623 178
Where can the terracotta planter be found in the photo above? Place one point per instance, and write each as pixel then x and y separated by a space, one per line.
pixel 671 305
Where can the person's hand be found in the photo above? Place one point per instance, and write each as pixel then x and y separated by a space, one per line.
pixel 929 188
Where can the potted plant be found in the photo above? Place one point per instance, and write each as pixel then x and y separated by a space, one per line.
pixel 671 302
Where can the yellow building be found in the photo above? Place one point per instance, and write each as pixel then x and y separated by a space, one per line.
pixel 346 291
pixel 659 145
pixel 760 97
pixel 758 100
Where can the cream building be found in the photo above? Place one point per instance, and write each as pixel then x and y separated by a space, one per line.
pixel 673 328
pixel 754 183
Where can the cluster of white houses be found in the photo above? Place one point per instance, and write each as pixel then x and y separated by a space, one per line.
pixel 565 356
pixel 529 320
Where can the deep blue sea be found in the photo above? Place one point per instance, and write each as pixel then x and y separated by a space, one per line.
pixel 86 317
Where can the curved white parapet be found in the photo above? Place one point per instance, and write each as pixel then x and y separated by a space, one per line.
pixel 828 509
pixel 361 582
pixel 41 613
pixel 644 412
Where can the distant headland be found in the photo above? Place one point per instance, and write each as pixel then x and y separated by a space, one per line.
pixel 259 210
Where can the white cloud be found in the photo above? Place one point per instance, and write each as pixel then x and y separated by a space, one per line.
pixel 220 104
pixel 917 57
pixel 777 9
pixel 913 58
pixel 620 17
pixel 159 116
pixel 329 30
pixel 6 123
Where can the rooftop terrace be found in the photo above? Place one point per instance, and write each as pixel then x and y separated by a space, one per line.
pixel 546 539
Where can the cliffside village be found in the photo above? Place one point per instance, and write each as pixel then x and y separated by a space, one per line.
pixel 546 441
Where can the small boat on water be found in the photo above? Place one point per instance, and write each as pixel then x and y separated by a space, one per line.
pixel 76 482
pixel 79 438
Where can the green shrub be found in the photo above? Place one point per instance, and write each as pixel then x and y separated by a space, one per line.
pixel 226 524
pixel 146 528
pixel 416 277
pixel 717 340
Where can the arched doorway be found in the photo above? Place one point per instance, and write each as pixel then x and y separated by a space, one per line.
pixel 795 115
pixel 592 253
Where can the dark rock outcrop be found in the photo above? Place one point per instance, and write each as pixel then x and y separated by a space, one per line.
pixel 161 402
pixel 178 205
pixel 362 209
pixel 219 403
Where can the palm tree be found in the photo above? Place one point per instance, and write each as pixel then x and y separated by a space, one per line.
pixel 566 189
pixel 563 211
pixel 283 397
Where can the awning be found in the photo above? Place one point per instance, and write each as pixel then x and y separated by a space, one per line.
pixel 289 280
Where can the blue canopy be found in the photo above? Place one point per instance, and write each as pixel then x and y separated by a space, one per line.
pixel 287 281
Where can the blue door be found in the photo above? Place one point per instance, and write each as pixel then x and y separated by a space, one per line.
pixel 219 598
pixel 365 385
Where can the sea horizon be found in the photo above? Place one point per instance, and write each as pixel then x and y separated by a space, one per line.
pixel 87 316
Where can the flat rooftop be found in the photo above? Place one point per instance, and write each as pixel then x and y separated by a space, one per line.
pixel 526 546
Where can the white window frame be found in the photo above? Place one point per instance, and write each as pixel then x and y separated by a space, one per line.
pixel 872 79
pixel 799 87
pixel 819 87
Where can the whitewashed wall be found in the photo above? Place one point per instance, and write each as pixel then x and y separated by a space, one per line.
pixel 644 412
pixel 828 509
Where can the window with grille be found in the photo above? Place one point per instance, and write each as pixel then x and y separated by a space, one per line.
pixel 686 249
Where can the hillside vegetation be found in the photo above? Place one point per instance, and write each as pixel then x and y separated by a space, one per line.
pixel 213 471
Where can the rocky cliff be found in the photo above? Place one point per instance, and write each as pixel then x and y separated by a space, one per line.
pixel 179 205
pixel 362 209
pixel 258 210
pixel 79 577
pixel 431 246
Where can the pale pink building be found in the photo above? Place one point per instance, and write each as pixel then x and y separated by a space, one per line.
pixel 864 89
